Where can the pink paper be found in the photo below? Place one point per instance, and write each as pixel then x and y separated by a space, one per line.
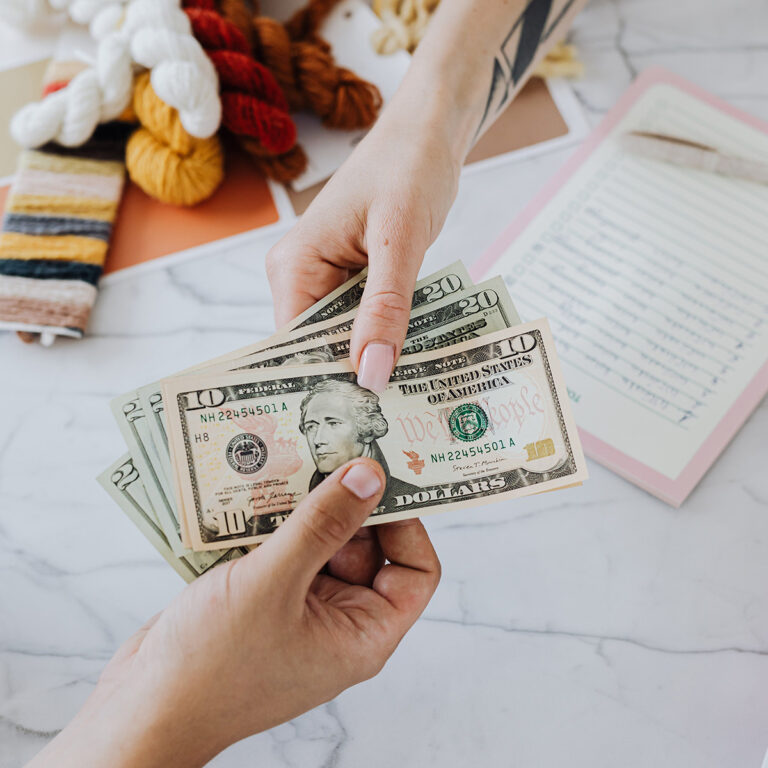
pixel 672 490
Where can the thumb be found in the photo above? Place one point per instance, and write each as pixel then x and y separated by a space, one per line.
pixel 323 523
pixel 382 318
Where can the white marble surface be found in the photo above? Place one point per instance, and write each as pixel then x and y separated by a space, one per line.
pixel 591 627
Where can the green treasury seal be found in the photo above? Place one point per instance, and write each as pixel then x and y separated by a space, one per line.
pixel 468 422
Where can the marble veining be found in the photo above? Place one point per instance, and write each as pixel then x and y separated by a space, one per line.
pixel 591 627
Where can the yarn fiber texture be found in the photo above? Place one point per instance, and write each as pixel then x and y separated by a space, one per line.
pixel 307 72
pixel 254 106
pixel 99 14
pixel 561 61
pixel 404 24
pixel 305 22
pixel 252 102
pixel 155 34
pixel 24 13
pixel 56 228
pixel 163 159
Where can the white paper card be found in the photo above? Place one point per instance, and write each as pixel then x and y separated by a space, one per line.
pixel 655 281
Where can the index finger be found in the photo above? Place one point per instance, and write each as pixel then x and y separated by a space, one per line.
pixel 287 283
pixel 298 278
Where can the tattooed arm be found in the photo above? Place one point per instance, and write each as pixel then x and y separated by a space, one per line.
pixel 385 206
pixel 488 50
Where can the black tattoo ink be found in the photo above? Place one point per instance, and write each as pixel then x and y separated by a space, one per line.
pixel 534 20
pixel 514 61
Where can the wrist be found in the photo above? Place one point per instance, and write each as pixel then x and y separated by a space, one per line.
pixel 427 112
pixel 118 732
pixel 446 86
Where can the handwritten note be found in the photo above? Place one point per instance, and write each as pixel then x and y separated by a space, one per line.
pixel 655 282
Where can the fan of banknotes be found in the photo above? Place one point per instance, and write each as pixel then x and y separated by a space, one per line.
pixel 476 410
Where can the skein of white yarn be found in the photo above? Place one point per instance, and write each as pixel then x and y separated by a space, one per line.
pixel 102 16
pixel 182 74
pixel 28 13
pixel 152 33
pixel 24 13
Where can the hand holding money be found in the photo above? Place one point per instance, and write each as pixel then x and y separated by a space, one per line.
pixel 475 410
pixel 265 637
pixel 458 426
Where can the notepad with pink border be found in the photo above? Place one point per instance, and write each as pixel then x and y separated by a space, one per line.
pixel 655 281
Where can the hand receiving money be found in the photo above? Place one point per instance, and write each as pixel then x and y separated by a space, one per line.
pixel 384 207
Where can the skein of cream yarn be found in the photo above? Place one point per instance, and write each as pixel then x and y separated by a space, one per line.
pixel 155 34
pixel 404 24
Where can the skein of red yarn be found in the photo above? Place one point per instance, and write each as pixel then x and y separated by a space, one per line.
pixel 304 70
pixel 252 102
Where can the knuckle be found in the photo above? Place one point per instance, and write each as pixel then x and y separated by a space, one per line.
pixel 432 581
pixel 367 660
pixel 438 571
pixel 371 667
pixel 385 306
pixel 284 251
pixel 435 568
pixel 275 259
pixel 271 264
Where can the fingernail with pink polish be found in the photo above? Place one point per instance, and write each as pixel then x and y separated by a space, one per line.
pixel 362 480
pixel 376 366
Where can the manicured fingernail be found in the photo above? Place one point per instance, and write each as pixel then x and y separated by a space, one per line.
pixel 376 366
pixel 362 480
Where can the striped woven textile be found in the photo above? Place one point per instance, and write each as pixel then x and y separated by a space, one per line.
pixel 56 228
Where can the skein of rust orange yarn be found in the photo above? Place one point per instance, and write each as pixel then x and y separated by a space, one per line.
pixel 254 107
pixel 309 75
pixel 163 159
pixel 305 22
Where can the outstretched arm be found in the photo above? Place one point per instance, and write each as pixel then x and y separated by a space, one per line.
pixel 385 206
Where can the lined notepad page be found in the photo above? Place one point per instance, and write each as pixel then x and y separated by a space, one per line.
pixel 655 282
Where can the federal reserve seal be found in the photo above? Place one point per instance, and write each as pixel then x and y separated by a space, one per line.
pixel 246 453
pixel 468 422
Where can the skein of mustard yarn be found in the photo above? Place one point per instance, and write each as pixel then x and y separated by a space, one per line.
pixel 163 159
